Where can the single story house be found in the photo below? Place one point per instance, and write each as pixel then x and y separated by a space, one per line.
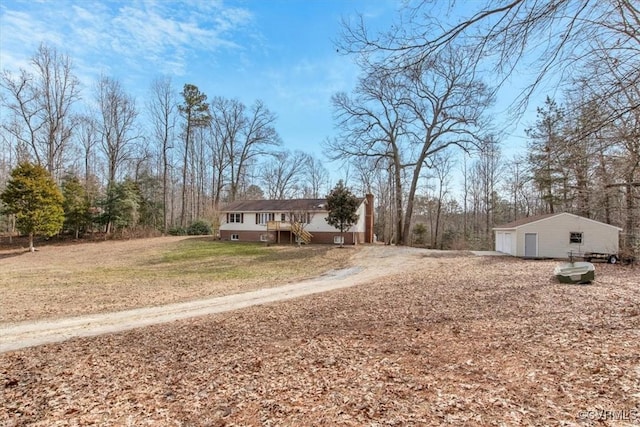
pixel 293 220
pixel 556 236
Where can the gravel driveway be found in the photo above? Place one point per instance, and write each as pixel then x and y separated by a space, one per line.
pixel 371 263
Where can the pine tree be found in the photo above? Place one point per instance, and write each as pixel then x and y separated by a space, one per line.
pixel 546 153
pixel 75 205
pixel 342 206
pixel 34 198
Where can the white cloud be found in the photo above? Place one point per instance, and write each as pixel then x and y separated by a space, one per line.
pixel 142 35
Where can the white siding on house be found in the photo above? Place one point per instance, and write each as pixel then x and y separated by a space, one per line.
pixel 318 222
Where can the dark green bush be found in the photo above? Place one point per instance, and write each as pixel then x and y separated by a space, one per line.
pixel 198 228
pixel 177 231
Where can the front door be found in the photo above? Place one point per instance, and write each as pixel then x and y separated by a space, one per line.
pixel 530 245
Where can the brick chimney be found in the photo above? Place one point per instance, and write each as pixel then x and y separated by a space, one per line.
pixel 368 219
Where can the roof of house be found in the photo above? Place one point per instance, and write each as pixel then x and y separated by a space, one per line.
pixel 530 219
pixel 288 205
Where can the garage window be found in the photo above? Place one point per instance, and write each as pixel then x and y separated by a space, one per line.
pixel 575 237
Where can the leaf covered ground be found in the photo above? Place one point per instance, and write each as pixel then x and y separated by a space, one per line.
pixel 459 341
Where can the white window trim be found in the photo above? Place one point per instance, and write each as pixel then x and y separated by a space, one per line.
pixel 581 237
pixel 338 240
pixel 264 217
pixel 235 237
pixel 264 237
pixel 304 218
pixel 233 216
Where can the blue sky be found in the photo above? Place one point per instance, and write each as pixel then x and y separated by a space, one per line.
pixel 279 51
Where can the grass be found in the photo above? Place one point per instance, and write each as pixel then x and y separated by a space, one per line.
pixel 92 278
pixel 228 260
pixel 194 250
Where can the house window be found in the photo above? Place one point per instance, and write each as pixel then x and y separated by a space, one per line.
pixel 235 217
pixel 283 217
pixel 302 217
pixel 235 237
pixel 264 237
pixel 338 240
pixel 263 217
pixel 575 237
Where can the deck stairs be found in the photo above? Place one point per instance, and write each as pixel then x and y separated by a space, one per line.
pixel 301 233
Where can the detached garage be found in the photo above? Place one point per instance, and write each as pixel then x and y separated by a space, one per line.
pixel 555 236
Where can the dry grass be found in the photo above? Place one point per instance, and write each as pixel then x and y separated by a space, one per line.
pixel 68 280
pixel 459 341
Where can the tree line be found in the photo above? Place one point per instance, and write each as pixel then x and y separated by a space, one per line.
pixel 419 117
pixel 175 157
pixel 416 130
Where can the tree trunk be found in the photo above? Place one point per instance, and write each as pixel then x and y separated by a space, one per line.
pixel 398 201
pixel 410 200
pixel 184 173
pixel 31 247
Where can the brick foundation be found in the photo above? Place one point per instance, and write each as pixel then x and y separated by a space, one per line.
pixel 285 237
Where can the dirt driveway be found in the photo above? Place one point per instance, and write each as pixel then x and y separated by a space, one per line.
pixel 370 263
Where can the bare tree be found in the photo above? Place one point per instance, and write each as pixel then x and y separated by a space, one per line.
pixel 116 124
pixel 316 179
pixel 255 138
pixel 283 174
pixel 116 127
pixel 226 124
pixel 162 106
pixel 87 138
pixel 506 35
pixel 447 103
pixel 373 125
pixel 625 135
pixel 488 168
pixel 514 184
pixel 41 103
pixel 441 165
pixel 403 118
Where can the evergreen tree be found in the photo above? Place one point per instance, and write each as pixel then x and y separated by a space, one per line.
pixel 122 205
pixel 75 205
pixel 546 151
pixel 34 198
pixel 342 206
pixel 196 113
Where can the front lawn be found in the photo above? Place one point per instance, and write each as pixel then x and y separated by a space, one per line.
pixel 59 281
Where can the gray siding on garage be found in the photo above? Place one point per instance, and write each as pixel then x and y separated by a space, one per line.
pixel 506 242
pixel 553 236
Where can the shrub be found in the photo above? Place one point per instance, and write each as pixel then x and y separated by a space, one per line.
pixel 198 228
pixel 177 231
pixel 419 233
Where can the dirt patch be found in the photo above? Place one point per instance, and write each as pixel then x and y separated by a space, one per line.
pixel 460 341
